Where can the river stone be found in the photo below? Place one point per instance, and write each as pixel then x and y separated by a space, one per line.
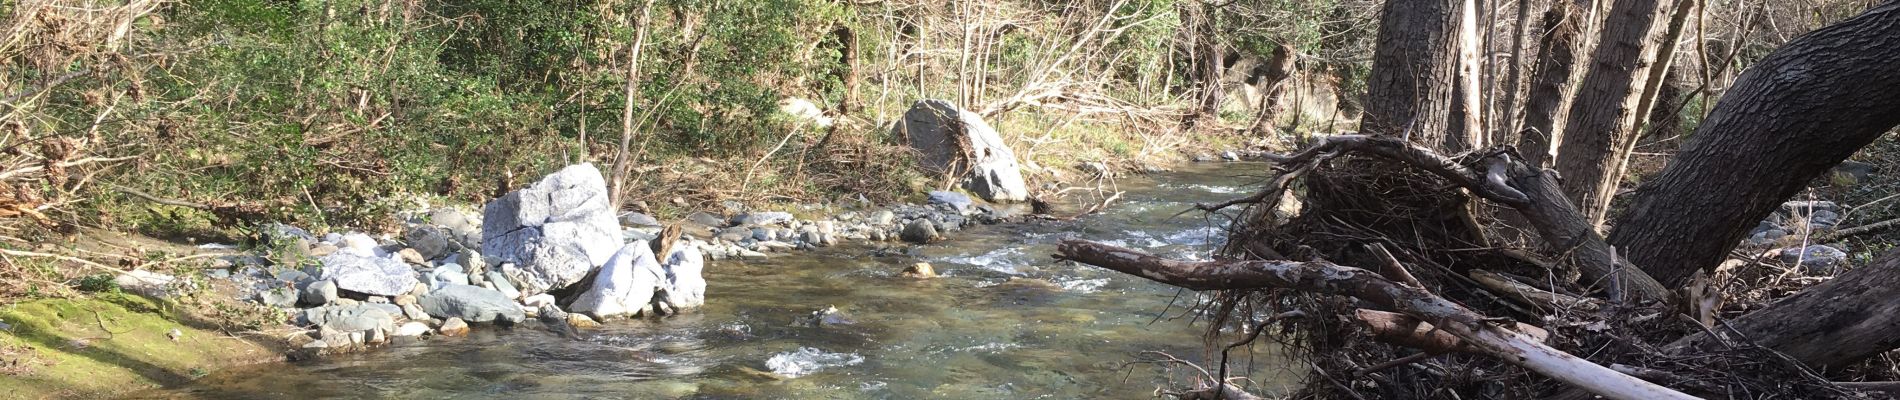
pixel 414 312
pixel 428 241
pixel 359 245
pixel 706 219
pixel 1819 258
pixel 624 286
pixel 446 275
pixel 472 304
pixel 280 297
pixel 453 327
pixel 379 276
pixel 919 231
pixel 352 318
pixel 939 130
pixel 762 218
pixel 319 293
pixel 412 329
pixel 638 220
pixel 502 285
pixel 145 283
pixel 555 230
pixel 685 287
pixel 955 200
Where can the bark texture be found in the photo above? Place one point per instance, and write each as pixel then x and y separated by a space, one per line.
pixel 1601 119
pixel 1414 66
pixel 1831 325
pixel 1786 120
pixel 1553 80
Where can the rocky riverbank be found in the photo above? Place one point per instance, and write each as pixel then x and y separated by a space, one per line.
pixel 550 253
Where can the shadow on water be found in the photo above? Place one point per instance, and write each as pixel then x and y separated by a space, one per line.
pixel 1005 321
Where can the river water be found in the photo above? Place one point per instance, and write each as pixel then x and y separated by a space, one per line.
pixel 1004 322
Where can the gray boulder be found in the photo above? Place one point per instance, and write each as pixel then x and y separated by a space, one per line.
pixel 1820 258
pixel 353 318
pixel 380 276
pixel 920 231
pixel 555 230
pixel 624 286
pixel 955 200
pixel 706 219
pixel 319 293
pixel 471 304
pixel 502 285
pixel 430 242
pixel 685 287
pixel 940 131
pixel 281 297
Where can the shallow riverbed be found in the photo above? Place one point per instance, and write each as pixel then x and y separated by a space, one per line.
pixel 1004 322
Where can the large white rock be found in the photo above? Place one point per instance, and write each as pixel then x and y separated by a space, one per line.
pixel 380 276
pixel 624 286
pixel 940 131
pixel 685 287
pixel 555 230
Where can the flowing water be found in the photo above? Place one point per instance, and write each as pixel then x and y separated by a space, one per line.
pixel 1004 322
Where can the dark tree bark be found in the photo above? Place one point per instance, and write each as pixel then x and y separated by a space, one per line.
pixel 1414 66
pixel 1553 83
pixel 1601 118
pixel 1786 120
pixel 1834 324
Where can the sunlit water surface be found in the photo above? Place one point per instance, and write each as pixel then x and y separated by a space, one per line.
pixel 1004 322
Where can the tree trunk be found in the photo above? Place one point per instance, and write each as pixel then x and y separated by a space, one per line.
pixel 1786 120
pixel 1665 119
pixel 1601 118
pixel 1413 66
pixel 1467 125
pixel 1834 324
pixel 1553 83
pixel 1506 125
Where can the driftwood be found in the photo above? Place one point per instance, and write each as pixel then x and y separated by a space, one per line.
pixel 1534 194
pixel 1476 332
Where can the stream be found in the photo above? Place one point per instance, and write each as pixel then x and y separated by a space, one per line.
pixel 1004 321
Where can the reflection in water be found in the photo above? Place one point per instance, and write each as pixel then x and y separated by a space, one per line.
pixel 1005 321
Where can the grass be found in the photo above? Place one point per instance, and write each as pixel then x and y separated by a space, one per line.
pixel 110 343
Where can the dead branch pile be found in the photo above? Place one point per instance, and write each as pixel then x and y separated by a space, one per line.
pixel 1474 278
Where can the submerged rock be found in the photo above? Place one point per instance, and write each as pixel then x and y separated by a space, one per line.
pixel 941 132
pixel 921 270
pixel 806 360
pixel 379 276
pixel 472 304
pixel 624 286
pixel 555 230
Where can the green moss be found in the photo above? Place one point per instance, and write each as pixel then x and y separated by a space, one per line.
pixel 107 344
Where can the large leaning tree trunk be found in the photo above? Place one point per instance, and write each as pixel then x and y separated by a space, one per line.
pixel 1567 28
pixel 1788 119
pixel 1413 67
pixel 1605 107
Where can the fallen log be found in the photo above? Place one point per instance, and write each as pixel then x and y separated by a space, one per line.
pixel 1475 331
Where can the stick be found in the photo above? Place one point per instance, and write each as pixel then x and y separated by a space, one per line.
pixel 1328 278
